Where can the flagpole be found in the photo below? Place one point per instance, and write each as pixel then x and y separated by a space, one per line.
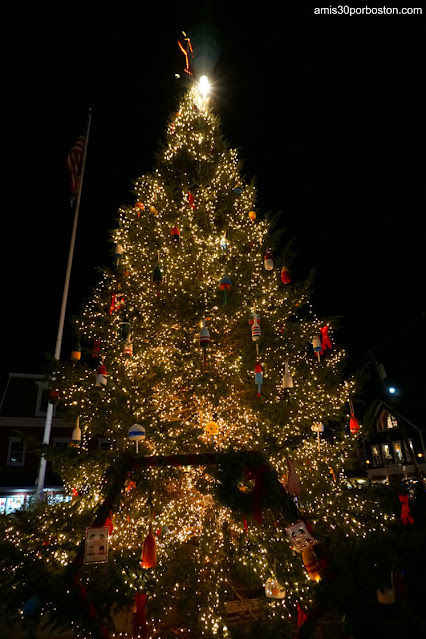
pixel 49 412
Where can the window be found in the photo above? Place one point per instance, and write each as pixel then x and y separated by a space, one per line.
pixel 397 449
pixel 61 442
pixel 391 422
pixel 407 454
pixel 387 454
pixel 16 452
pixel 105 444
pixel 375 452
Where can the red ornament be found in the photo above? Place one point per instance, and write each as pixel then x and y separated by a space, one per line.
pixel 191 199
pixel 175 233
pixel 117 302
pixel 353 424
pixel 406 517
pixel 108 522
pixel 285 275
pixel 325 340
pixel 149 551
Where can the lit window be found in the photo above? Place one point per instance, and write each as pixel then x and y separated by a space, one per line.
pixel 16 452
pixel 391 422
pixel 386 452
pixel 398 451
pixel 410 441
pixel 377 460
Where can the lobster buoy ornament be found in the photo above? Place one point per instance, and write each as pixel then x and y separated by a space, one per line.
pixel 238 189
pixel 223 243
pixel 157 278
pixel 137 433
pixel 255 330
pixel 76 435
pixel 76 353
pixel 149 550
pixel 128 347
pixel 101 376
pixel 153 210
pixel 311 564
pixel 325 340
pixel 353 422
pixel 118 254
pixel 124 329
pixel 252 215
pixel 268 261
pixel 318 428
pixel 175 233
pixel 258 376
pixel 287 379
pixel 225 285
pixel 316 345
pixel 204 339
pixel 285 275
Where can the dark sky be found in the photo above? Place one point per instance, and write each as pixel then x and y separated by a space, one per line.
pixel 328 114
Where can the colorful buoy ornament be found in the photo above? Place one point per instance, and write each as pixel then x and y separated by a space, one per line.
pixel 137 433
pixel 76 435
pixel 316 345
pixel 225 285
pixel 204 339
pixel 175 233
pixel 287 379
pixel 268 261
pixel 118 254
pixel 101 376
pixel 258 376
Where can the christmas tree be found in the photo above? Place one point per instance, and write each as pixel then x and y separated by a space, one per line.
pixel 223 407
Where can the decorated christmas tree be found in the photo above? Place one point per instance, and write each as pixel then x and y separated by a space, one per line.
pixel 212 417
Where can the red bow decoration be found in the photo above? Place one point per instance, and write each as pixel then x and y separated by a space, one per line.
pixel 406 517
pixel 325 341
pixel 139 620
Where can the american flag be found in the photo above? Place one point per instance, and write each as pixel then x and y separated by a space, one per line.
pixel 74 163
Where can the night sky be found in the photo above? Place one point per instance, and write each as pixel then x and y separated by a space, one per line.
pixel 328 114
